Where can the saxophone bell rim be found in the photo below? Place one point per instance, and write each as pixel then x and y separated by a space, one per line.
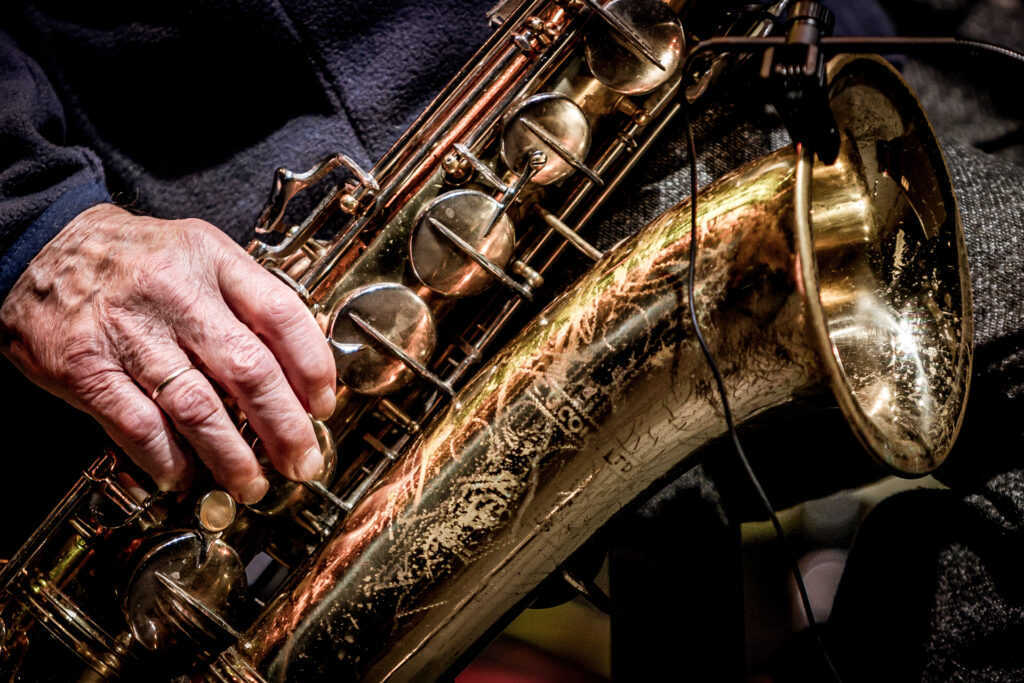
pixel 880 432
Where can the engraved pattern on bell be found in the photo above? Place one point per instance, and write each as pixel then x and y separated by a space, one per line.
pixel 184 588
pixel 441 265
pixel 618 65
pixel 557 116
pixel 400 316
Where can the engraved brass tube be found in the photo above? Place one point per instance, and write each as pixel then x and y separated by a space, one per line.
pixel 607 391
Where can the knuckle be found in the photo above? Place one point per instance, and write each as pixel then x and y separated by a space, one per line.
pixel 194 406
pixel 15 311
pixel 160 269
pixel 84 369
pixel 140 426
pixel 204 240
pixel 282 309
pixel 81 347
pixel 163 280
pixel 94 388
pixel 248 363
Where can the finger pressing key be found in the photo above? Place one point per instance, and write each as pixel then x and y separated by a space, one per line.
pixel 238 361
pixel 199 415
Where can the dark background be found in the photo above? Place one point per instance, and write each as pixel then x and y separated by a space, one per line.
pixel 190 107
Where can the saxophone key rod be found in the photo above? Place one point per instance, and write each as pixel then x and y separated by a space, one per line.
pixel 614 183
pixel 561 150
pixel 656 116
pixel 399 353
pixel 489 266
pixel 398 416
pixel 534 162
pixel 325 493
pixel 378 446
pixel 467 111
pixel 585 247
pixel 483 169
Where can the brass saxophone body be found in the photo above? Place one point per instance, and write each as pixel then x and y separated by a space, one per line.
pixel 464 473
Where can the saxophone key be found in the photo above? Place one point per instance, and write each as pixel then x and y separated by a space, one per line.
pixel 552 122
pixel 215 511
pixel 183 589
pixel 285 495
pixel 381 334
pixel 399 354
pixel 614 57
pixel 470 261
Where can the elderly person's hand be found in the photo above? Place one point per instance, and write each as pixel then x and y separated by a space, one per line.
pixel 117 303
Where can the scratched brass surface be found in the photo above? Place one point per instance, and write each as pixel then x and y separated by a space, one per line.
pixel 606 392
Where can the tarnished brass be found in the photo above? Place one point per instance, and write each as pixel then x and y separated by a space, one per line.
pixel 801 282
pixel 614 61
pixel 439 264
pixel 549 123
pixel 468 456
pixel 400 316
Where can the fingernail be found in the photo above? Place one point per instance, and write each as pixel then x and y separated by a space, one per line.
pixel 254 490
pixel 323 403
pixel 309 464
pixel 170 483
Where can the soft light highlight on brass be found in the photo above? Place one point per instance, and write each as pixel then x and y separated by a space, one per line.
pixel 607 391
pixel 471 450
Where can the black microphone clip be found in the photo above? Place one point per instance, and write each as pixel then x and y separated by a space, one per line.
pixel 795 73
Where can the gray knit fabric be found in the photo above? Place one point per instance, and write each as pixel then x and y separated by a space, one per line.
pixel 965 546
pixel 978 617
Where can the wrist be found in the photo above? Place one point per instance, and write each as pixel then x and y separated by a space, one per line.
pixel 70 206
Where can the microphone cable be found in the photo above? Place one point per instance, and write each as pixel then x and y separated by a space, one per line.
pixel 908 45
pixel 874 45
pixel 726 408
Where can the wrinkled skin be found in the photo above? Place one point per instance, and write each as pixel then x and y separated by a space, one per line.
pixel 116 303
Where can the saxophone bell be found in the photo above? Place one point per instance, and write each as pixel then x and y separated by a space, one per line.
pixel 851 276
pixel 457 474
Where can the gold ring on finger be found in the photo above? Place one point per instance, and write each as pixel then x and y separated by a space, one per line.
pixel 170 378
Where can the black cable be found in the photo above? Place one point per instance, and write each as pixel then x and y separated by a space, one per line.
pixel 909 45
pixel 905 45
pixel 983 46
pixel 727 410
pixel 913 45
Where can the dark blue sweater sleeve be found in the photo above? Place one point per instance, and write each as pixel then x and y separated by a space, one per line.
pixel 44 182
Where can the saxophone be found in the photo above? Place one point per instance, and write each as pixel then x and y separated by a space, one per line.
pixel 464 465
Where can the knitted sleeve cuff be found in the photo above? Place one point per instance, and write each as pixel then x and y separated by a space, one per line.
pixel 44 228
